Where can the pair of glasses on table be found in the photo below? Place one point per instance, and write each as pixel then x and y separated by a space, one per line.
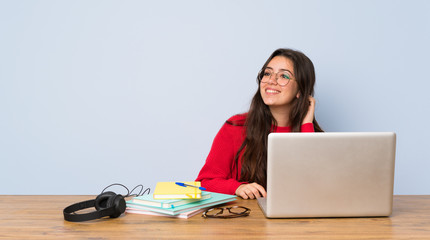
pixel 227 212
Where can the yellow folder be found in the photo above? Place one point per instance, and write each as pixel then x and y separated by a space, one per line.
pixel 170 190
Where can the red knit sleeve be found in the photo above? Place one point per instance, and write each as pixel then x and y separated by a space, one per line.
pixel 307 127
pixel 216 174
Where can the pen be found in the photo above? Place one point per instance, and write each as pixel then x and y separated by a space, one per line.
pixel 188 185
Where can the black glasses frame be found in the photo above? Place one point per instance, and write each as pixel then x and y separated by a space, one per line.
pixel 243 213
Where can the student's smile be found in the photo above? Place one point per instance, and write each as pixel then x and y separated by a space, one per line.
pixel 271 91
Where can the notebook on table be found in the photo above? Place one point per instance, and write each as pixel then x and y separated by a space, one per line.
pixel 216 199
pixel 329 175
pixel 149 200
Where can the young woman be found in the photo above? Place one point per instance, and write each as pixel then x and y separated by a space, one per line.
pixel 283 102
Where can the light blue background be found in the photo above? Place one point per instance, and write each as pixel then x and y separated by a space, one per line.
pixel 97 92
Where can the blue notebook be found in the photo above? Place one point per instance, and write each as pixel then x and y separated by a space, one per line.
pixel 148 200
pixel 216 199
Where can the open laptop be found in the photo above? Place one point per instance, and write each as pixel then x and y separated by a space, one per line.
pixel 313 175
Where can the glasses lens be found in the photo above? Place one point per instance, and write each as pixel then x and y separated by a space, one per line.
pixel 283 78
pixel 214 211
pixel 238 210
pixel 266 75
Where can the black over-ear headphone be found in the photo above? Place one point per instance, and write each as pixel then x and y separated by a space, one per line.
pixel 106 204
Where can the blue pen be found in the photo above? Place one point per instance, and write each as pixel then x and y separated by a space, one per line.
pixel 188 185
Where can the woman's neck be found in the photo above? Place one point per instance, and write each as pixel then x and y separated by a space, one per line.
pixel 281 115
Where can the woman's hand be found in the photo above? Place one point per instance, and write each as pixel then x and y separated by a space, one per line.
pixel 250 191
pixel 309 118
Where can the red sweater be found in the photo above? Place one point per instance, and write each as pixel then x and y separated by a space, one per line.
pixel 216 174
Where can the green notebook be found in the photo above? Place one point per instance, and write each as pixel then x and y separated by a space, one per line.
pixel 216 199
pixel 148 200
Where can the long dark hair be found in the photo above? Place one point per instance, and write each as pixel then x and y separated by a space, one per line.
pixel 260 122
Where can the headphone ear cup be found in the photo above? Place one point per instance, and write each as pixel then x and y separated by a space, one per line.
pixel 103 199
pixel 119 205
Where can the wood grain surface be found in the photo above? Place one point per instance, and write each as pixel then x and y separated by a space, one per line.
pixel 41 217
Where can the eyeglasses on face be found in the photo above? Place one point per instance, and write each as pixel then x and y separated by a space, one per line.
pixel 282 78
pixel 233 212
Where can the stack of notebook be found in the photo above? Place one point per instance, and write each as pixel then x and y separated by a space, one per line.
pixel 172 200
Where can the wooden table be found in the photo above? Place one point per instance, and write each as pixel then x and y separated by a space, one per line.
pixel 41 217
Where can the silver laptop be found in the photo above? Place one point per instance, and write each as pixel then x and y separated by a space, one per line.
pixel 329 175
